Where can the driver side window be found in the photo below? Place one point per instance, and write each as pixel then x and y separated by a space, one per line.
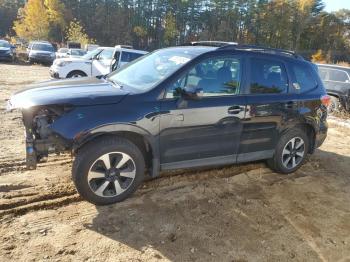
pixel 106 54
pixel 217 76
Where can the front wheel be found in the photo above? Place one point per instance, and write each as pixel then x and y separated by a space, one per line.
pixel 108 170
pixel 76 74
pixel 290 152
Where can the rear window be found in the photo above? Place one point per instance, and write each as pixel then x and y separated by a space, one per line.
pixel 304 78
pixel 268 77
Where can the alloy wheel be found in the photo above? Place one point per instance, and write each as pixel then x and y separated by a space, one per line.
pixel 111 174
pixel 293 153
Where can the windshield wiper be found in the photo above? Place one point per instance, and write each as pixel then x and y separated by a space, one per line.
pixel 115 83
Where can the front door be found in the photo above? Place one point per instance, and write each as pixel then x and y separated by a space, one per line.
pixel 101 65
pixel 207 130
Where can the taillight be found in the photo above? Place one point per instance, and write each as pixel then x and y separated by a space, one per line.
pixel 326 100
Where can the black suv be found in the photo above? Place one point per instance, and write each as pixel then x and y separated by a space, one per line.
pixel 337 82
pixel 179 107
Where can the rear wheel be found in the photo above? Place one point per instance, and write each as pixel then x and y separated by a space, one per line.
pixel 291 152
pixel 108 170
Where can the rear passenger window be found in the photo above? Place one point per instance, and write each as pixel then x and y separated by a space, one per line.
pixel 304 78
pixel 268 77
pixel 338 76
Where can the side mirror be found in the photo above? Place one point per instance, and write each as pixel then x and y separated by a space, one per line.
pixel 192 93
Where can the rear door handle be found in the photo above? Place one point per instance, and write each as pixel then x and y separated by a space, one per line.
pixel 234 110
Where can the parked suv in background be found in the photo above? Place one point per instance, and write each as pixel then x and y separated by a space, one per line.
pixel 41 52
pixel 7 52
pixel 101 61
pixel 337 82
pixel 177 107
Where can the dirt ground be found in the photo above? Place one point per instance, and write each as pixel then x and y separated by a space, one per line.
pixel 237 213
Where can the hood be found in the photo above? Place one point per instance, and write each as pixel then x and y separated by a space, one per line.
pixel 33 52
pixel 5 48
pixel 71 59
pixel 83 91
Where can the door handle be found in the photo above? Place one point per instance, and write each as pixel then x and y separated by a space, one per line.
pixel 234 110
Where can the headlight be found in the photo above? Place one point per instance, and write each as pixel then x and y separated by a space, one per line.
pixel 62 63
pixel 8 52
pixel 52 55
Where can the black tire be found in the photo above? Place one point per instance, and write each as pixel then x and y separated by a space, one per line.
pixel 334 105
pixel 74 74
pixel 277 163
pixel 87 161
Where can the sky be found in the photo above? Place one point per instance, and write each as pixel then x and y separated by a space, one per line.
pixel 335 5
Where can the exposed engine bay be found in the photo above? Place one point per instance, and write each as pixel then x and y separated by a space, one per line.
pixel 40 140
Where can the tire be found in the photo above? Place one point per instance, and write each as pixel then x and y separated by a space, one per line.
pixel 280 161
pixel 334 106
pixel 76 74
pixel 100 185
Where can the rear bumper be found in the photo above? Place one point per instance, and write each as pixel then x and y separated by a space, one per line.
pixel 321 135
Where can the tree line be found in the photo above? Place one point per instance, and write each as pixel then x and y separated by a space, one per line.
pixel 300 25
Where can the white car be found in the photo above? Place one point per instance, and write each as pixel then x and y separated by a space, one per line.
pixel 100 61
pixel 62 52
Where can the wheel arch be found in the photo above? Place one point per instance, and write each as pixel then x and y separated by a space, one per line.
pixel 310 131
pixel 141 138
pixel 76 71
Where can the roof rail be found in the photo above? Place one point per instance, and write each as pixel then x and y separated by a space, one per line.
pixel 210 43
pixel 262 49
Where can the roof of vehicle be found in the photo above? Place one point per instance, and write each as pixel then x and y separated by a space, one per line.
pixel 3 40
pixel 210 43
pixel 118 47
pixel 41 42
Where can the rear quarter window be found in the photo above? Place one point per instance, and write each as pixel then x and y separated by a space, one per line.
pixel 304 78
pixel 338 75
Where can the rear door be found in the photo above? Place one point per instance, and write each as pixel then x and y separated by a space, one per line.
pixel 270 106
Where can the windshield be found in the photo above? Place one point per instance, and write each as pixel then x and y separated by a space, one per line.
pixel 77 52
pixel 147 71
pixel 4 44
pixel 63 50
pixel 43 47
pixel 91 54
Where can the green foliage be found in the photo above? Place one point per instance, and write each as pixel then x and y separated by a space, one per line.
pixel 300 25
pixel 76 33
pixel 170 31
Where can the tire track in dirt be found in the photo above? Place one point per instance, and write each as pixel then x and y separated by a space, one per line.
pixel 66 194
pixel 20 164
